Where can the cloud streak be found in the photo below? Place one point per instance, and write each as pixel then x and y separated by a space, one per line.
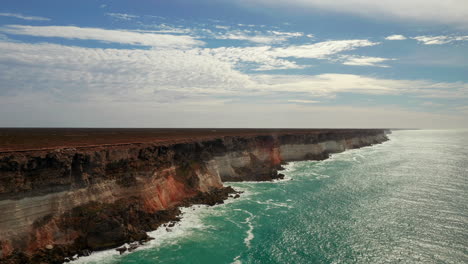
pixel 439 40
pixel 331 84
pixel 303 101
pixel 256 38
pixel 321 50
pixel 276 58
pixel 364 61
pixel 265 37
pixel 396 37
pixel 20 16
pixel 105 35
pixel 121 16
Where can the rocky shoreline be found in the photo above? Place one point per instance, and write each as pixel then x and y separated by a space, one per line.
pixel 106 226
pixel 65 203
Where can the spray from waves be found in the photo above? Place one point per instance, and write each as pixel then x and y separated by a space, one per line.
pixel 236 260
pixel 360 156
pixel 318 176
pixel 307 169
pixel 272 204
pixel 290 166
pixel 250 236
pixel 191 221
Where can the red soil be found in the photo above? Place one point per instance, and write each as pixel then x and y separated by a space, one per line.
pixel 22 139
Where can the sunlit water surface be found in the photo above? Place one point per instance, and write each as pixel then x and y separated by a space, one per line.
pixel 402 201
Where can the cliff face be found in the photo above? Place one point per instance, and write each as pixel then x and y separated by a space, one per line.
pixel 61 202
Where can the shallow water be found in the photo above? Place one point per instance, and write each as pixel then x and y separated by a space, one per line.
pixel 402 201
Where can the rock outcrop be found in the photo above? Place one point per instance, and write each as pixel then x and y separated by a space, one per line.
pixel 62 202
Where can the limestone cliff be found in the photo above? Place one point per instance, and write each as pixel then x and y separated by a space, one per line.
pixel 61 202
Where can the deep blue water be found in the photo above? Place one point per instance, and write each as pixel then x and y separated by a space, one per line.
pixel 403 201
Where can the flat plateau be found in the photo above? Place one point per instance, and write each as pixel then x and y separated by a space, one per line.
pixel 28 139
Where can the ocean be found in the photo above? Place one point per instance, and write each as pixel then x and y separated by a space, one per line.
pixel 403 201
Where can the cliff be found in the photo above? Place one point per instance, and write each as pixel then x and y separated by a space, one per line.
pixel 63 201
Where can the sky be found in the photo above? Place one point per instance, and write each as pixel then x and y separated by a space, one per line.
pixel 234 63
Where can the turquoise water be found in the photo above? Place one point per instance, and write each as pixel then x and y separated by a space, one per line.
pixel 404 201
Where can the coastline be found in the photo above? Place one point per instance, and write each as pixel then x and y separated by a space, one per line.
pixel 135 200
pixel 190 218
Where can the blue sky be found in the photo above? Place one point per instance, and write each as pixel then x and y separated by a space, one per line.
pixel 237 63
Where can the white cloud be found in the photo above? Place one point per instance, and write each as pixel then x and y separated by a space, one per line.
pixel 256 36
pixel 269 58
pixel 328 85
pixel 104 35
pixel 303 101
pixel 260 36
pixel 178 79
pixel 287 34
pixel 395 37
pixel 165 28
pixel 71 73
pixel 453 12
pixel 439 40
pixel 364 61
pixel 325 85
pixel 264 39
pixel 321 50
pixel 244 25
pixel 269 37
pixel 20 16
pixel 121 16
pixel 222 27
pixel 162 77
pixel 261 58
pixel 149 37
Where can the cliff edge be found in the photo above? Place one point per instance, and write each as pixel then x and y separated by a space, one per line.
pixel 68 195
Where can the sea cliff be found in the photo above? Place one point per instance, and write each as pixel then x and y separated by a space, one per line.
pixel 60 202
